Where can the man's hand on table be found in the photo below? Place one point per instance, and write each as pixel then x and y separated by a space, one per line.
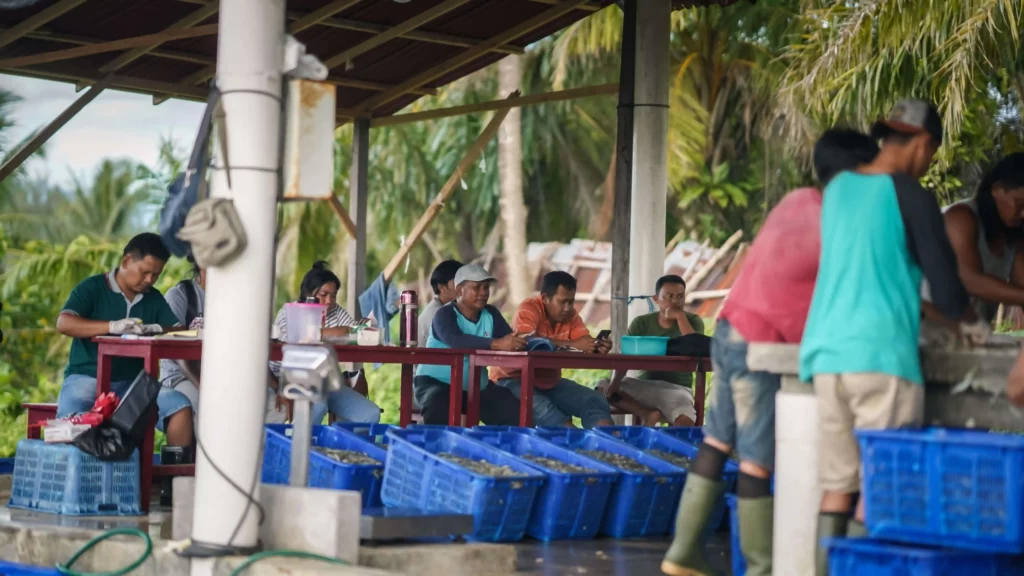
pixel 126 326
pixel 603 346
pixel 510 343
pixel 585 343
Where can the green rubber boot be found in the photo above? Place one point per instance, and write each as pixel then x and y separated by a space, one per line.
pixel 756 518
pixel 856 529
pixel 829 526
pixel 685 557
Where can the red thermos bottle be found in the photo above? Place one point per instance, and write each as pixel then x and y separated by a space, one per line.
pixel 409 313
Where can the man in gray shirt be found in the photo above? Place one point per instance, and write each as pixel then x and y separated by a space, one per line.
pixel 442 282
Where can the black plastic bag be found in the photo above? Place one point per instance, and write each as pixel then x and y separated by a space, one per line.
pixel 117 438
pixel 689 345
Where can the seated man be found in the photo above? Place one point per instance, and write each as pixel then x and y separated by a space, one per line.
pixel 553 315
pixel 442 282
pixel 468 322
pixel 660 396
pixel 121 301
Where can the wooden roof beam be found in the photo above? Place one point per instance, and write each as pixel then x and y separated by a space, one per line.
pixel 41 18
pixel 119 82
pixel 394 32
pixel 112 46
pixel 46 34
pixel 464 58
pixel 194 18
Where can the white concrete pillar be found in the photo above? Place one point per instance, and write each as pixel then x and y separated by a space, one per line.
pixel 238 295
pixel 650 149
pixel 797 494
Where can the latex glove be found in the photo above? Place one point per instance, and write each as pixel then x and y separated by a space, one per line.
pixel 977 333
pixel 126 326
pixel 152 329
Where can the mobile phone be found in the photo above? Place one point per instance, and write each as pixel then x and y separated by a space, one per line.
pixel 604 334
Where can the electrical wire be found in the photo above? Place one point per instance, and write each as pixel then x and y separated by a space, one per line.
pixel 66 568
pixel 248 495
pixel 285 554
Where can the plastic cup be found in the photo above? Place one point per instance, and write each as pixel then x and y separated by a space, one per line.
pixel 305 322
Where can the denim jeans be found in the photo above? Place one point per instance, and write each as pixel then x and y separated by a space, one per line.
pixel 742 411
pixel 347 405
pixel 555 406
pixel 78 394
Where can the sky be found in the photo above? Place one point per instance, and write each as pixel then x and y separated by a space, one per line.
pixel 115 124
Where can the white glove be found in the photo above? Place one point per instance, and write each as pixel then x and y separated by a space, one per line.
pixel 126 326
pixel 977 333
pixel 152 329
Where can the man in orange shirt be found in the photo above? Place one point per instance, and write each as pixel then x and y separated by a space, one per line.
pixel 553 316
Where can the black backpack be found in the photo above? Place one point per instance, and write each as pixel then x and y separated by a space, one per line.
pixel 689 345
pixel 192 299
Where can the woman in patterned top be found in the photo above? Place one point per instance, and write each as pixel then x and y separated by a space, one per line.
pixel 349 404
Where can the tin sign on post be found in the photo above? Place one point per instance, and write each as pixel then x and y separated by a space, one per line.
pixel 309 140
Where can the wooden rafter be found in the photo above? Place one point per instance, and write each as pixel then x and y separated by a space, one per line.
pixel 394 32
pixel 587 7
pixel 559 95
pixel 346 220
pixel 113 46
pixel 194 18
pixel 128 83
pixel 375 86
pixel 46 34
pixel 55 10
pixel 469 55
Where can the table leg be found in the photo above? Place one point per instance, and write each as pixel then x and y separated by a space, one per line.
pixel 526 396
pixel 152 366
pixel 405 402
pixel 700 389
pixel 103 366
pixel 473 396
pixel 455 398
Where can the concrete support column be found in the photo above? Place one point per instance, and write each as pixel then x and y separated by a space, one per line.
pixel 238 294
pixel 357 189
pixel 650 149
pixel 621 224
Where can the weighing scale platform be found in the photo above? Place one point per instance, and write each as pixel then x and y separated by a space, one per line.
pixel 411 524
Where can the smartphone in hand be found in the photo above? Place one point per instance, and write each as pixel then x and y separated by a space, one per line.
pixel 604 334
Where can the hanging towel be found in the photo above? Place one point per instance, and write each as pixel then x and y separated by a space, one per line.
pixel 380 299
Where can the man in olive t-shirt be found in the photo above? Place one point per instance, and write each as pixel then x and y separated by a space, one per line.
pixel 659 396
pixel 122 301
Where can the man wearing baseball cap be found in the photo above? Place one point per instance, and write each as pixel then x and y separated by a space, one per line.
pixel 468 322
pixel 880 233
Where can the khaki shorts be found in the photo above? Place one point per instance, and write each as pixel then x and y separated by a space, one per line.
pixel 870 401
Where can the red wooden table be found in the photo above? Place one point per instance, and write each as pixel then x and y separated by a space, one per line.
pixel 152 350
pixel 529 362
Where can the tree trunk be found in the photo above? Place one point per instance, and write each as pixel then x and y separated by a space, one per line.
pixel 510 172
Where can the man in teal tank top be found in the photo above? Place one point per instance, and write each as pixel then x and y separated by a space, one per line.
pixel 880 232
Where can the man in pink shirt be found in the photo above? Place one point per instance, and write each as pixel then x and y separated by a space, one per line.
pixel 768 303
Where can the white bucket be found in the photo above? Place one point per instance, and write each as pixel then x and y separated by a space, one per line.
pixel 797 496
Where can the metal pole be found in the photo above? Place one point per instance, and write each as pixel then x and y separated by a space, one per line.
pixel 623 173
pixel 650 148
pixel 238 294
pixel 357 210
pixel 302 439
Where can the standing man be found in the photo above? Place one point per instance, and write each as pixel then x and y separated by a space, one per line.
pixel 553 316
pixel 659 395
pixel 122 301
pixel 880 231
pixel 442 282
pixel 467 322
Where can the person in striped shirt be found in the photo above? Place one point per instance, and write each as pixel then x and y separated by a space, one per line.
pixel 349 404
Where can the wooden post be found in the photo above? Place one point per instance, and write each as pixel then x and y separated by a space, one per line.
pixel 357 210
pixel 706 269
pixel 623 173
pixel 346 220
pixel 43 135
pixel 435 207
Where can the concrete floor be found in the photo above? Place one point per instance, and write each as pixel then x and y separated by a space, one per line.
pixel 601 557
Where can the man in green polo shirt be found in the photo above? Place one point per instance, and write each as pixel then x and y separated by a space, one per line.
pixel 122 301
pixel 659 396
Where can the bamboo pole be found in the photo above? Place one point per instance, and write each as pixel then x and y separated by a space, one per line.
pixel 346 220
pixel 449 187
pixel 114 46
pixel 696 260
pixel 706 269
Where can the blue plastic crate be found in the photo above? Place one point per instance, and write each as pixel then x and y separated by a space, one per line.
pixel 646 438
pixel 12 569
pixel 61 479
pixel 523 429
pixel 374 433
pixel 945 486
pixel 569 506
pixel 868 557
pixel 640 504
pixel 415 477
pixel 324 472
pixel 739 563
pixel 691 434
pixel 6 465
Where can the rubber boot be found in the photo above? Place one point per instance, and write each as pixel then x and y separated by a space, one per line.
pixel 856 529
pixel 829 526
pixel 756 518
pixel 685 557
